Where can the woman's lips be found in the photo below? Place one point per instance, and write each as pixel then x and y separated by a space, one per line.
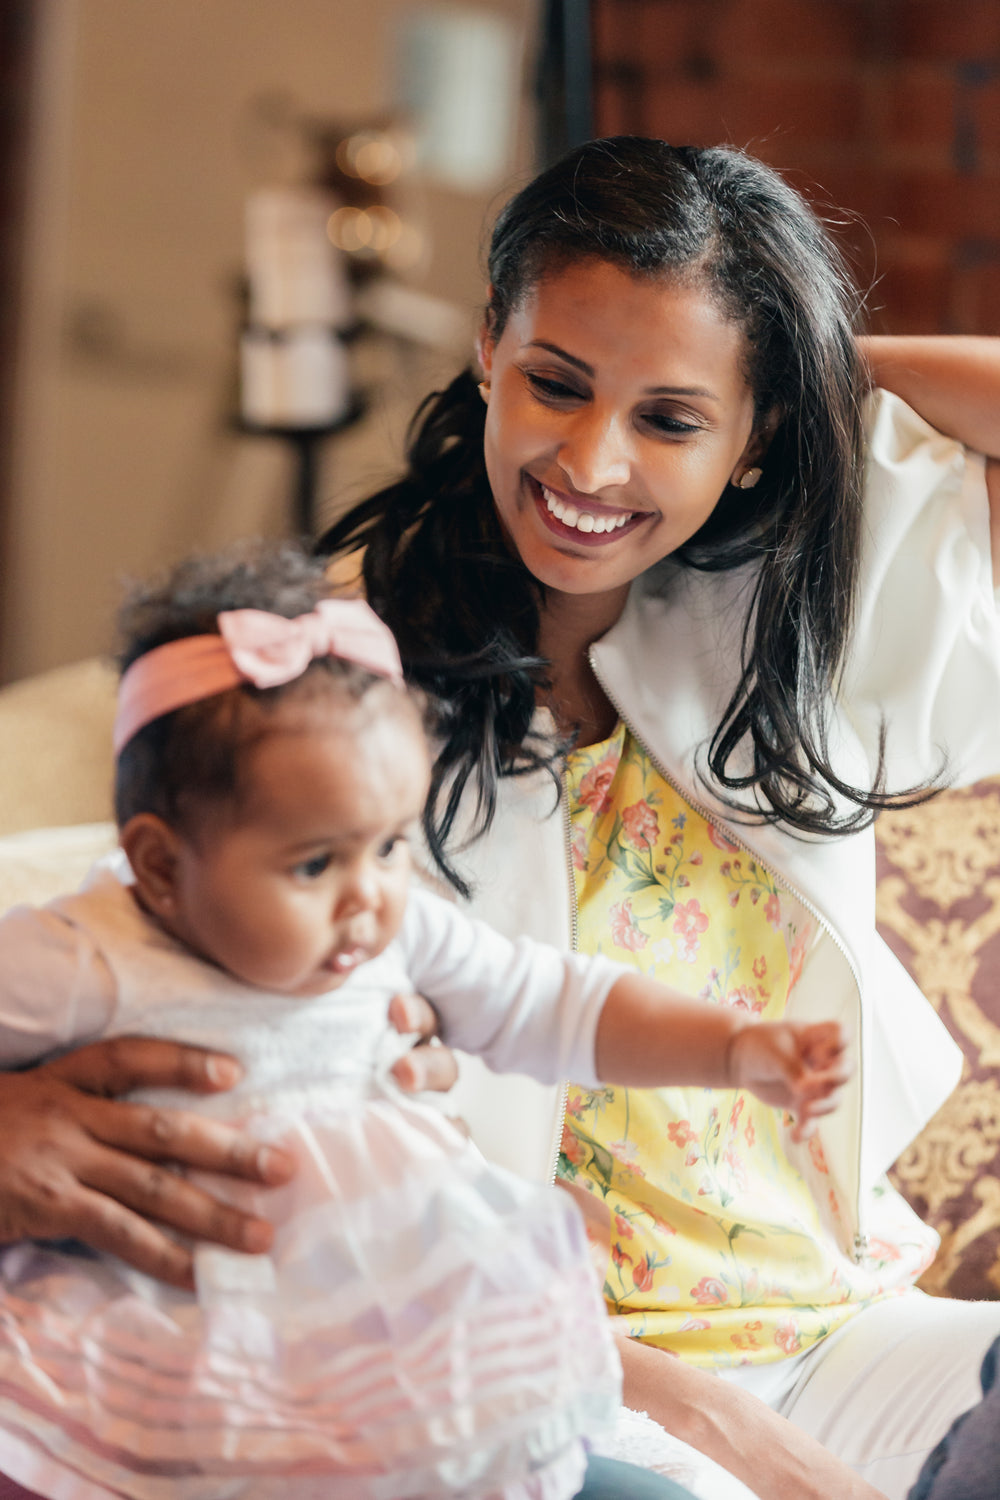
pixel 589 525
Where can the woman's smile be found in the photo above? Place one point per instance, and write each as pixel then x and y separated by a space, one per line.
pixel 618 412
pixel 580 518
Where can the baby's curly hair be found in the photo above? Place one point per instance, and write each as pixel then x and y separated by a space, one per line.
pixel 192 756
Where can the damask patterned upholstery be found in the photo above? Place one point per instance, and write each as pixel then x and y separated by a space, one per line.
pixel 939 909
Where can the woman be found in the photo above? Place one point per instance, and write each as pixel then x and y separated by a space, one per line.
pixel 743 649
pixel 673 444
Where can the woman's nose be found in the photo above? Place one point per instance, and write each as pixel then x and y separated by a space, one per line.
pixel 595 454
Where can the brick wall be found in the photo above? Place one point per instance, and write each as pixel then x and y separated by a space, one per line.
pixel 888 109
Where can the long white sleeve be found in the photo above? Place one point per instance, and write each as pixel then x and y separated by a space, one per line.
pixel 925 650
pixel 55 988
pixel 522 1006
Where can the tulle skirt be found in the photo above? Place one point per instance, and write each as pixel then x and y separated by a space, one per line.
pixel 427 1325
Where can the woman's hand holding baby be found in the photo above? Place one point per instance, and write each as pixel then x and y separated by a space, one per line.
pixel 79 1162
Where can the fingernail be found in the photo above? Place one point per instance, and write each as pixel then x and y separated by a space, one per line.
pixel 271 1163
pixel 407 1075
pixel 224 1072
pixel 257 1237
pixel 407 1016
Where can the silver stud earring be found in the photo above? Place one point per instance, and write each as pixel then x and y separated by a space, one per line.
pixel 484 391
pixel 748 479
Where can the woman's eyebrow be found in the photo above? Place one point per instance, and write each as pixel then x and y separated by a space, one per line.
pixel 570 359
pixel 681 390
pixel 653 390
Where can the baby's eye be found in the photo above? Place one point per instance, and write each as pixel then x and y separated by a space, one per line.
pixel 312 869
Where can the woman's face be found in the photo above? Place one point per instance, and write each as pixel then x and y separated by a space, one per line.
pixel 618 412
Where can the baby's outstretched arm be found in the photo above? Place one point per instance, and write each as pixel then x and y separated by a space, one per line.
pixel 649 1036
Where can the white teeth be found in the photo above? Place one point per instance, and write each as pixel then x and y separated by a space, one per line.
pixel 581 520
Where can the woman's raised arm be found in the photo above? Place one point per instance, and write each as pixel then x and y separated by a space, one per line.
pixel 953 381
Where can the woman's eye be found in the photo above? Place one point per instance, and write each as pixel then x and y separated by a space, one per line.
pixel 662 421
pixel 312 869
pixel 550 389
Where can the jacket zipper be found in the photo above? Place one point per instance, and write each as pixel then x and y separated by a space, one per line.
pixel 574 940
pixel 860 1244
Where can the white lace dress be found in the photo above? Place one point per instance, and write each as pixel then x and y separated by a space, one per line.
pixel 426 1324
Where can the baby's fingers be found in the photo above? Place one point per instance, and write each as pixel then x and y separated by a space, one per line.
pixel 823 1045
pixel 817 1083
pixel 428 1065
pixel 413 1013
pixel 810 1109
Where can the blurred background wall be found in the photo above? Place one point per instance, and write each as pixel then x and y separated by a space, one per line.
pixel 141 130
pixel 132 135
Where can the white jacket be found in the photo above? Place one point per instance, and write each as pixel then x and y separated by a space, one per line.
pixel 925 655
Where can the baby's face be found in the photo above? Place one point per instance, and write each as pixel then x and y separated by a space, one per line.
pixel 308 879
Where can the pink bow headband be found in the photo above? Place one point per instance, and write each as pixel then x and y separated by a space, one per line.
pixel 252 646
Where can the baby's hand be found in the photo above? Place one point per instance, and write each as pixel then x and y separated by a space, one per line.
pixel 429 1065
pixel 799 1068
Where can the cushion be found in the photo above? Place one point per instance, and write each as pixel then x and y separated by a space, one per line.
pixel 36 866
pixel 939 910
pixel 55 747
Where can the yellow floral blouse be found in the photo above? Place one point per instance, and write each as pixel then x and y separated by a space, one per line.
pixel 722 1232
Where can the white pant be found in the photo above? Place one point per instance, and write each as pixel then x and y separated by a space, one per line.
pixel 883 1390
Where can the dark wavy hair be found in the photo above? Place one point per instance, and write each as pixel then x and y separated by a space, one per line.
pixel 192 756
pixel 466 611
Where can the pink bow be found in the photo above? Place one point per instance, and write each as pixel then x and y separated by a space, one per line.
pixel 253 646
pixel 269 650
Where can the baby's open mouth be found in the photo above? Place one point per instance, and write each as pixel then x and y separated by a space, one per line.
pixel 343 960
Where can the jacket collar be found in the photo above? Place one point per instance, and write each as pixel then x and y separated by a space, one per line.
pixel 670 665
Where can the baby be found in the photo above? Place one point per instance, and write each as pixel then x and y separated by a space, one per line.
pixel 426 1324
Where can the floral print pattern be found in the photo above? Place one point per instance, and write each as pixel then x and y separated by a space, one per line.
pixel 724 1234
